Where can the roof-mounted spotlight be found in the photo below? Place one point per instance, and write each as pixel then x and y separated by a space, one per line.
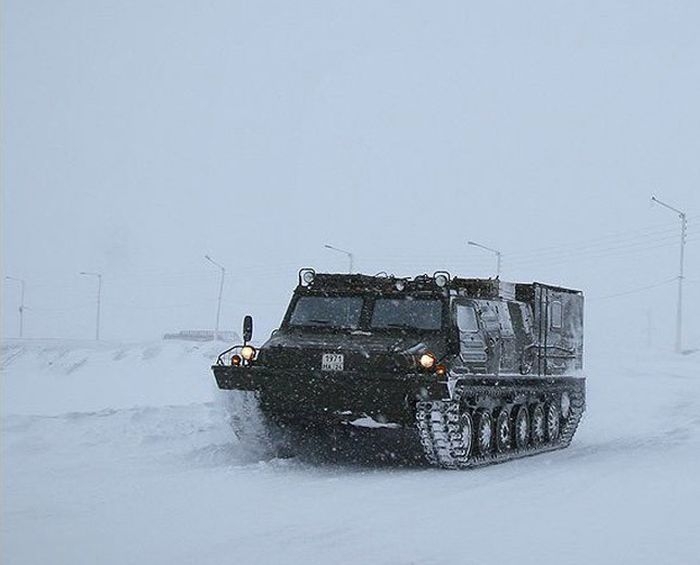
pixel 442 278
pixel 306 277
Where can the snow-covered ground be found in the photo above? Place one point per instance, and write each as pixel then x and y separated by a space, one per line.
pixel 120 453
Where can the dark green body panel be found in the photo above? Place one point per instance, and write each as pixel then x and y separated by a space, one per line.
pixel 333 396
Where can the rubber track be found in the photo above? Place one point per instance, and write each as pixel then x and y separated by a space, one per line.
pixel 441 435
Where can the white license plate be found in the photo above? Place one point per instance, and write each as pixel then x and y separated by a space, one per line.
pixel 332 362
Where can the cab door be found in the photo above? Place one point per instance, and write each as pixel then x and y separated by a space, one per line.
pixel 510 360
pixel 472 343
pixel 496 348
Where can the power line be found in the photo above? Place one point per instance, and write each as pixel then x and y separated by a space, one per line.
pixel 648 231
pixel 602 247
pixel 593 250
pixel 617 238
pixel 598 254
pixel 635 290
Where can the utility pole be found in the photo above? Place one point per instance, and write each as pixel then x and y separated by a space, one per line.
pixel 99 300
pixel 21 304
pixel 350 255
pixel 496 251
pixel 221 293
pixel 679 309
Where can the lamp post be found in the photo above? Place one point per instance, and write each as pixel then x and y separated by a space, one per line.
pixel 350 255
pixel 21 303
pixel 99 299
pixel 679 308
pixel 496 251
pixel 221 292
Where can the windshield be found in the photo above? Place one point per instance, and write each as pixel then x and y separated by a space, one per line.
pixel 407 313
pixel 327 311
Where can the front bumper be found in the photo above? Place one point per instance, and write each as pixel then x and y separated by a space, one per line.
pixel 342 396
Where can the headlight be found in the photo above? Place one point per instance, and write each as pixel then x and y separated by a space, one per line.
pixel 248 352
pixel 427 360
pixel 441 280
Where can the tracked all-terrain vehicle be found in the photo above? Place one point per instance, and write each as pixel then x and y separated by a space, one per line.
pixel 476 371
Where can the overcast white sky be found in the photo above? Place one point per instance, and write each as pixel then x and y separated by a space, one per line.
pixel 138 136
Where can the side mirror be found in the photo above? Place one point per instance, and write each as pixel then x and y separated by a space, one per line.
pixel 247 328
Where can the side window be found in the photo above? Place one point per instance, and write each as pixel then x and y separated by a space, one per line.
pixel 489 315
pixel 555 315
pixel 466 319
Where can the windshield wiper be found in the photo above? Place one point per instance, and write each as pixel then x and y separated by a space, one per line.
pixel 399 325
pixel 320 322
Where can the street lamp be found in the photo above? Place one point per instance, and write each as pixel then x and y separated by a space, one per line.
pixel 21 303
pixel 679 309
pixel 496 251
pixel 99 299
pixel 221 292
pixel 350 256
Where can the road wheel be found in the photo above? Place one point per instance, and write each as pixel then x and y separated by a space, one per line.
pixel 484 432
pixel 538 425
pixel 503 435
pixel 463 446
pixel 522 427
pixel 565 405
pixel 553 424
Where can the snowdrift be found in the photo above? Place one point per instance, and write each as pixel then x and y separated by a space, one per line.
pixel 120 453
pixel 58 376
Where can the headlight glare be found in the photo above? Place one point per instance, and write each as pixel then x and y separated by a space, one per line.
pixel 427 360
pixel 248 352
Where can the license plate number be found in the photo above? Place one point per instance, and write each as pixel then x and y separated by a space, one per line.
pixel 332 362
